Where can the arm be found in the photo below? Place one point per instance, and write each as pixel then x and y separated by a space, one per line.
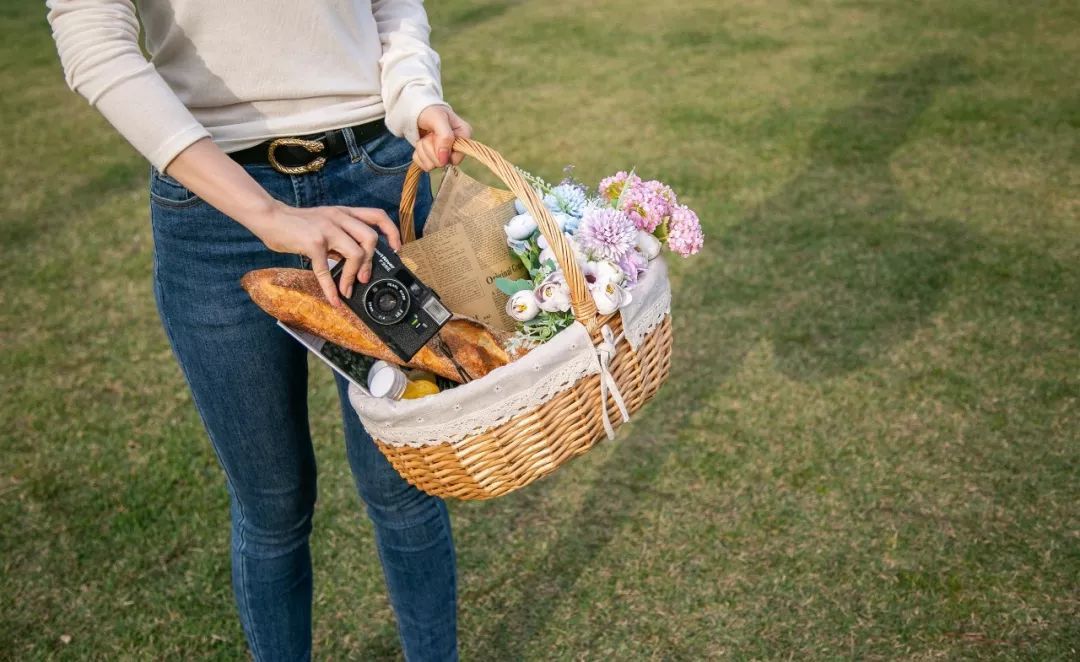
pixel 411 84
pixel 98 42
pixel 98 45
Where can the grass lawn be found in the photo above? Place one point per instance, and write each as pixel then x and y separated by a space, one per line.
pixel 870 445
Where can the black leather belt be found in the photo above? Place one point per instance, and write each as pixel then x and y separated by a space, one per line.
pixel 303 154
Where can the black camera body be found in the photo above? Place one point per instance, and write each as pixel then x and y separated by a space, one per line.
pixel 395 304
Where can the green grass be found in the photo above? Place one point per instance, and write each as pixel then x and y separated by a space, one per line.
pixel 870 445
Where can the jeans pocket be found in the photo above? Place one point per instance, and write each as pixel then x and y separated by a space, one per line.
pixel 166 191
pixel 387 154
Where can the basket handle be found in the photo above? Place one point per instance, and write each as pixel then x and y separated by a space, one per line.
pixel 580 299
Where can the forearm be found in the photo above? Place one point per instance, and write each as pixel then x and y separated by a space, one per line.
pixel 347 233
pixel 223 183
pixel 410 67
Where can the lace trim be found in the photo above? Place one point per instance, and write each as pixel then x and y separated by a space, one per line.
pixel 651 303
pixel 472 408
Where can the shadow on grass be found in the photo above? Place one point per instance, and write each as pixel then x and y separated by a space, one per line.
pixel 845 267
pixel 835 269
pixel 475 15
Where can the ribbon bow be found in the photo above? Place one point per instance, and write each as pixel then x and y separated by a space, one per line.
pixel 605 351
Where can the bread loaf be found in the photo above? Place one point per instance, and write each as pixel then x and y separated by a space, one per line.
pixel 463 350
pixel 475 347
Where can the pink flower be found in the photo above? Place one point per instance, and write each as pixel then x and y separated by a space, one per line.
pixel 611 187
pixel 606 234
pixel 684 231
pixel 661 190
pixel 645 207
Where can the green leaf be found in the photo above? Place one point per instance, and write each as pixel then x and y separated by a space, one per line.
pixel 622 194
pixel 661 231
pixel 512 287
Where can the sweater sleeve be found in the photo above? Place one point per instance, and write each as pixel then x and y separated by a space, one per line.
pixel 98 42
pixel 410 68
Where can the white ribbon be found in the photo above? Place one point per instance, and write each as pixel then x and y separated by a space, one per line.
pixel 605 351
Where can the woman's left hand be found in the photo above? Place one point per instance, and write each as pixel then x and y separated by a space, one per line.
pixel 439 126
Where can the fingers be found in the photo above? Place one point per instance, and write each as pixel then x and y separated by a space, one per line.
pixel 379 219
pixel 461 129
pixel 356 243
pixel 439 126
pixel 441 133
pixel 347 280
pixel 424 154
pixel 365 239
pixel 322 273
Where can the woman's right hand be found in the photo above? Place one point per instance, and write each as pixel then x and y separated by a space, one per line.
pixel 322 232
pixel 317 232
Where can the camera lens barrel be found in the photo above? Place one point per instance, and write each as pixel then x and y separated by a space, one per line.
pixel 387 301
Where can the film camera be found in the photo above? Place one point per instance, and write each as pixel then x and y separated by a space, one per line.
pixel 395 304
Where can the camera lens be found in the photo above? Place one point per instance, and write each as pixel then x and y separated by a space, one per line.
pixel 387 301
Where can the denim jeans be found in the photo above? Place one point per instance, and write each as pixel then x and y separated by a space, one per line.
pixel 249 382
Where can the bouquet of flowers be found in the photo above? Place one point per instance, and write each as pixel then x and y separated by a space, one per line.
pixel 614 232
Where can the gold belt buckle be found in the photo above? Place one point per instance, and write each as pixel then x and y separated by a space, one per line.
pixel 313 146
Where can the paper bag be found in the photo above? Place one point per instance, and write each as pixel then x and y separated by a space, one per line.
pixel 464 250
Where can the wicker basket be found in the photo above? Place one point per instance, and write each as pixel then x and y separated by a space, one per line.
pixel 534 443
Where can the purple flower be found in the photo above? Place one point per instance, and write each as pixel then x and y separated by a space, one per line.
pixel 606 234
pixel 684 232
pixel 633 265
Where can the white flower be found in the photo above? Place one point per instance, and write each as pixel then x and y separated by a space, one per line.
pixel 553 294
pixel 607 270
pixel 519 206
pixel 602 271
pixel 542 242
pixel 579 254
pixel 609 297
pixel 520 227
pixel 648 244
pixel 523 306
pixel 547 255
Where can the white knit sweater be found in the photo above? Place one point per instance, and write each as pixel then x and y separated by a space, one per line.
pixel 242 71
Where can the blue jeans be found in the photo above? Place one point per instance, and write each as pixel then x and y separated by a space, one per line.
pixel 249 382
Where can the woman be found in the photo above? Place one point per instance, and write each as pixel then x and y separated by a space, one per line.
pixel 351 86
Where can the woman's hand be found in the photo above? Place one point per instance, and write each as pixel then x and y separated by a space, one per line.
pixel 439 126
pixel 317 232
pixel 321 232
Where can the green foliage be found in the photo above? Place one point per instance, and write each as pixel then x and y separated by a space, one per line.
pixel 537 182
pixel 511 287
pixel 544 326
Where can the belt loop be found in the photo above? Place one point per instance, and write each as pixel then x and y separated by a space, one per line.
pixel 355 153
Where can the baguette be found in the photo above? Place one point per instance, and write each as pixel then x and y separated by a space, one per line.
pixel 463 350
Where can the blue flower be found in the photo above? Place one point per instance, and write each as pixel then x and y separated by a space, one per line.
pixel 567 198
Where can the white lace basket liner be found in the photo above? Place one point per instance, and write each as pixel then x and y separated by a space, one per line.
pixel 516 388
pixel 522 421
